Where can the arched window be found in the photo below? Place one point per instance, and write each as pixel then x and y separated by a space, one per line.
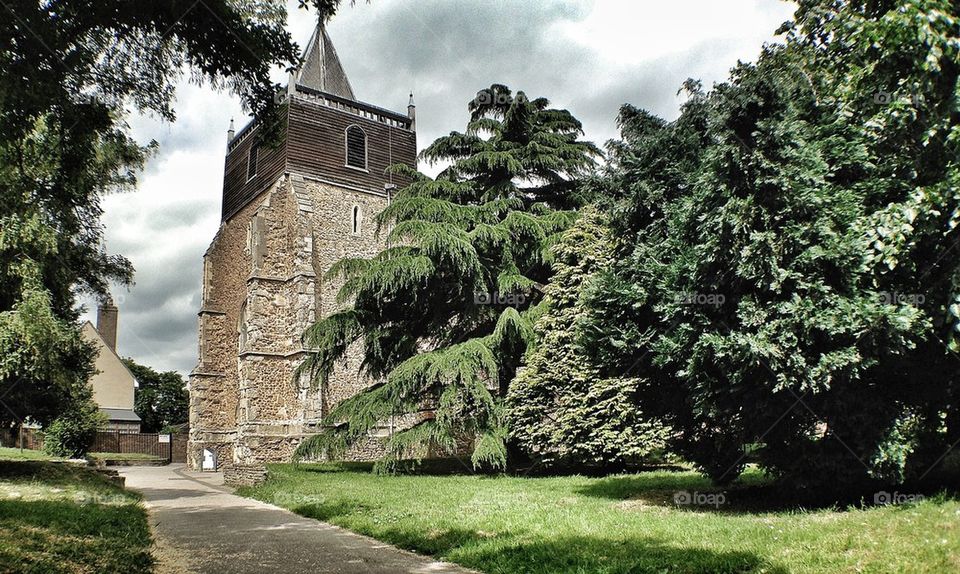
pixel 356 147
pixel 356 220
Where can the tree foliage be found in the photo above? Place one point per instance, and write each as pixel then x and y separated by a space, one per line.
pixel 44 362
pixel 161 399
pixel 560 411
pixel 70 71
pixel 484 225
pixel 784 275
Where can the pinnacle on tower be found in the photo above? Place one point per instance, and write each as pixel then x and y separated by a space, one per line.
pixel 412 112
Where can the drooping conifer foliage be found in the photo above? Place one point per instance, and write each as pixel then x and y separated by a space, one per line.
pixel 441 343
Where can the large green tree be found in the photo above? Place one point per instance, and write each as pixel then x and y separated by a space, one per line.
pixel 784 275
pixel 433 334
pixel 161 398
pixel 69 71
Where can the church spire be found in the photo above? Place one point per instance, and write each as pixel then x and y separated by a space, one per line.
pixel 321 68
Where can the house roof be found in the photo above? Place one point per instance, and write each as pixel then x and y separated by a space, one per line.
pixel 322 69
pixel 91 329
pixel 120 414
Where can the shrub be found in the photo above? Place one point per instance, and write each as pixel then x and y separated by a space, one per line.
pixel 560 410
pixel 72 434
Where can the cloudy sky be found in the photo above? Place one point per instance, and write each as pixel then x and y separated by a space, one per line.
pixel 587 56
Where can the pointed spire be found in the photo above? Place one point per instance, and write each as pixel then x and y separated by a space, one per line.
pixel 321 68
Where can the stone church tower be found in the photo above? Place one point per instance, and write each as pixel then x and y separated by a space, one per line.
pixel 290 211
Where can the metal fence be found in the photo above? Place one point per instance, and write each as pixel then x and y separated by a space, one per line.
pixel 19 437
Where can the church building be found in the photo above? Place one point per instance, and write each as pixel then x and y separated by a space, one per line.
pixel 290 210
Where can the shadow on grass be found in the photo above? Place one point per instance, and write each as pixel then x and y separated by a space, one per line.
pixel 753 494
pixel 50 473
pixel 689 492
pixel 67 518
pixel 453 466
pixel 426 467
pixel 519 551
pixel 327 511
pixel 328 467
pixel 623 487
pixel 538 470
pixel 606 555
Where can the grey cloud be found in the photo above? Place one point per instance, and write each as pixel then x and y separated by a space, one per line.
pixel 182 214
pixel 159 288
pixel 447 51
pixel 652 87
pixel 158 318
pixel 439 36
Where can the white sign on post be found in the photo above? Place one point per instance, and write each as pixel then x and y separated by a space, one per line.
pixel 163 438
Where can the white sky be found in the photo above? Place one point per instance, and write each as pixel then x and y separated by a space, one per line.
pixel 588 57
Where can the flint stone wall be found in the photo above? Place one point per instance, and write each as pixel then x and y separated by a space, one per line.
pixel 264 284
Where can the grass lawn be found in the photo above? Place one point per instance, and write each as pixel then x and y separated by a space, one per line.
pixel 626 523
pixel 60 517
pixel 15 454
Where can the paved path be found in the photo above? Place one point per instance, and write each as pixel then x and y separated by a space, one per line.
pixel 202 527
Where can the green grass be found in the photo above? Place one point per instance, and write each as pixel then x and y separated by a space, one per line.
pixel 122 456
pixel 16 454
pixel 26 454
pixel 626 523
pixel 61 517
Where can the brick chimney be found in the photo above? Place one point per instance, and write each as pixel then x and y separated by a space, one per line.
pixel 107 323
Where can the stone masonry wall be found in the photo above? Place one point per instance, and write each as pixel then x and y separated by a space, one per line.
pixel 274 406
pixel 265 283
pixel 214 383
pixel 244 475
pixel 334 239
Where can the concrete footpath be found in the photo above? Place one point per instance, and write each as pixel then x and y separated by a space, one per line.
pixel 202 527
